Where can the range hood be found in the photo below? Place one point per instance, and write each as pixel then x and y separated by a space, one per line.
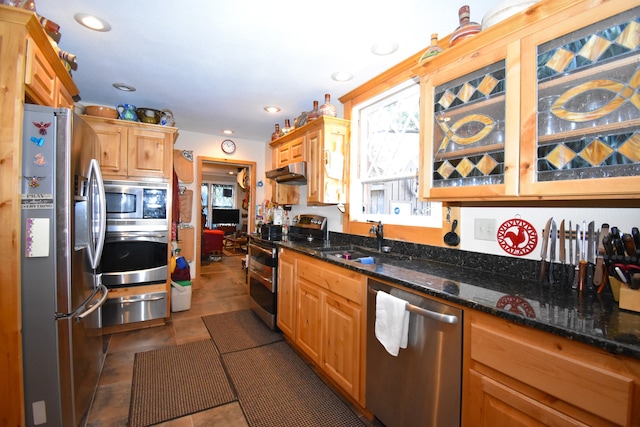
pixel 292 174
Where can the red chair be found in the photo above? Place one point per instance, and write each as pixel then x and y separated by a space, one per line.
pixel 211 246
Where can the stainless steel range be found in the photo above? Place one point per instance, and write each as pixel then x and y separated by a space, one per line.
pixel 263 260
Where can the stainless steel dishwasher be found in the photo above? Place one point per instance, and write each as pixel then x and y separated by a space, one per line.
pixel 422 385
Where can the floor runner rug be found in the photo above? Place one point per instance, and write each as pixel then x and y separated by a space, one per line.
pixel 239 330
pixel 175 381
pixel 277 388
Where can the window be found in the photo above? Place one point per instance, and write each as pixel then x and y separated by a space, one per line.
pixel 214 195
pixel 386 163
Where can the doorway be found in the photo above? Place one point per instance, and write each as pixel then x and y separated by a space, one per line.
pixel 208 168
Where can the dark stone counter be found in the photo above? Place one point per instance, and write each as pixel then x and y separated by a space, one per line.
pixel 502 286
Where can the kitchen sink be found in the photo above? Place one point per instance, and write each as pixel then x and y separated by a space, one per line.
pixel 361 254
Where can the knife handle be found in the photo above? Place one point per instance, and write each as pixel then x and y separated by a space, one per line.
pixel 629 244
pixel 582 274
pixel 544 267
pixel 599 273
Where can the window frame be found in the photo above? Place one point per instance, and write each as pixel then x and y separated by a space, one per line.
pixel 356 196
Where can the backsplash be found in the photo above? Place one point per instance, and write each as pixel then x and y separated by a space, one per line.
pixel 519 268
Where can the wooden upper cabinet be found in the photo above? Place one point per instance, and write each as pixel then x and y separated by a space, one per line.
pixel 133 150
pixel 326 167
pixel 543 105
pixel 46 80
pixel 40 78
pixel 466 153
pixel 583 126
pixel 290 152
pixel 322 144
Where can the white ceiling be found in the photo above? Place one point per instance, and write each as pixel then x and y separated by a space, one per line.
pixel 216 64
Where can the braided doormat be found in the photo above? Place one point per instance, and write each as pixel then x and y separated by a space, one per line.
pixel 239 330
pixel 277 388
pixel 175 381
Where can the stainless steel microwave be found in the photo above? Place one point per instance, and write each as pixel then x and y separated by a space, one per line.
pixel 137 206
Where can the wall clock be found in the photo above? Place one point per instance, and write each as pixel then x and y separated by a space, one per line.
pixel 228 146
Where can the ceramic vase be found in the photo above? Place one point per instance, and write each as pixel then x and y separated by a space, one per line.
pixel 287 127
pixel 327 109
pixel 466 29
pixel 432 51
pixel 275 135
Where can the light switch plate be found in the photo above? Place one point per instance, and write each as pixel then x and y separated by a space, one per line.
pixel 485 229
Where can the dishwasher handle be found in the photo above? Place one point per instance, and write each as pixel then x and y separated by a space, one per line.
pixel 445 318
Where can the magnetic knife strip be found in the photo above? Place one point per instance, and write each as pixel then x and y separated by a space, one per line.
pixel 583 258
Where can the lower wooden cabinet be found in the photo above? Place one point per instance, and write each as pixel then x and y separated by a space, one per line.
pixel 286 302
pixel 309 320
pixel 519 376
pixel 321 311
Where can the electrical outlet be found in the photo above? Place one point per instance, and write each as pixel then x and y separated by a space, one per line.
pixel 485 229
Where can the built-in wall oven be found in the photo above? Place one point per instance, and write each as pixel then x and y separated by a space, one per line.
pixel 135 250
pixel 263 278
pixel 263 261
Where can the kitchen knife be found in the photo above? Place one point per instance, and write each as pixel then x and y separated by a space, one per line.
pixel 599 276
pixel 552 251
pixel 635 232
pixel 571 259
pixel 576 271
pixel 582 265
pixel 563 255
pixel 592 243
pixel 543 252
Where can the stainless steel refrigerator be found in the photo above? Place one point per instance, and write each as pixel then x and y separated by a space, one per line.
pixel 63 227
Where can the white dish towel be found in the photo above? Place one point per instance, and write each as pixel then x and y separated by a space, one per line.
pixel 392 322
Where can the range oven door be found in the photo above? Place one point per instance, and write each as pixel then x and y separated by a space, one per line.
pixel 135 258
pixel 262 277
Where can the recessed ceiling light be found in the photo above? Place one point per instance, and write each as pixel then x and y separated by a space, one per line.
pixel 227 131
pixel 231 173
pixel 92 22
pixel 341 76
pixel 384 48
pixel 124 87
pixel 272 109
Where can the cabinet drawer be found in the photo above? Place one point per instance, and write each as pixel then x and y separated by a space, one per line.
pixel 553 368
pixel 338 280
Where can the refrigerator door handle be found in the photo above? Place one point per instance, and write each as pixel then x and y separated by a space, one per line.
pixel 95 252
pixel 94 307
pixel 80 309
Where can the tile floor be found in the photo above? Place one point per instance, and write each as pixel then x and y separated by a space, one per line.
pixel 222 288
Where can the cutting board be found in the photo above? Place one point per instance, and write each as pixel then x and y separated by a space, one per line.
pixel 186 202
pixel 183 167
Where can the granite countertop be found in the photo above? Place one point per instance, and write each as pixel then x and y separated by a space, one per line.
pixel 586 317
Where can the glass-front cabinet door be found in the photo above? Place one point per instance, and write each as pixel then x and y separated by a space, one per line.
pixel 465 148
pixel 585 138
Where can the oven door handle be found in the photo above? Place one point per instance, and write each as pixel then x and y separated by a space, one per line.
pixel 135 236
pixel 261 249
pixel 136 300
pixel 261 277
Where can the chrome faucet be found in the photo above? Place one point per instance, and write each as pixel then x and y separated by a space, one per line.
pixel 378 231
